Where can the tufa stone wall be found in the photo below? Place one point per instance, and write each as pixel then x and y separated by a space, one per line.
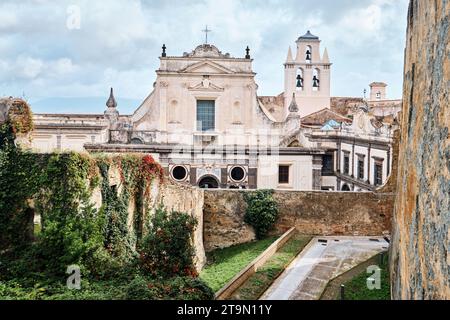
pixel 316 213
pixel 172 196
pixel 420 257
pixel 185 199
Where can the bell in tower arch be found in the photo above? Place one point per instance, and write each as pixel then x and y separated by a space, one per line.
pixel 316 82
pixel 308 55
pixel 299 81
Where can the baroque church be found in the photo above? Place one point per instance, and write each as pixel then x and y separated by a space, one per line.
pixel 206 124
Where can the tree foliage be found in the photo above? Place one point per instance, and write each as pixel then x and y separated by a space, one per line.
pixel 262 211
pixel 167 248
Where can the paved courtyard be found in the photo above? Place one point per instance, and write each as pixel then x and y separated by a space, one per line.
pixel 322 260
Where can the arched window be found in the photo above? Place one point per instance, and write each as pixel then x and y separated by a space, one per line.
pixel 316 79
pixel 299 79
pixel 308 54
pixel 208 182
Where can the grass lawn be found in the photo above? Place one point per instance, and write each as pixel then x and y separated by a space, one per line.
pixel 356 289
pixel 224 264
pixel 257 284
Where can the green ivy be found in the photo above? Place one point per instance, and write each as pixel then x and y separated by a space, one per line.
pixel 262 211
pixel 71 226
pixel 59 188
pixel 20 179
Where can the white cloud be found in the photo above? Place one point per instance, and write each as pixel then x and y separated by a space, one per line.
pixel 8 20
pixel 28 67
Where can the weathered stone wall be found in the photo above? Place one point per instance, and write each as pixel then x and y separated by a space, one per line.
pixel 420 257
pixel 185 199
pixel 317 213
pixel 172 196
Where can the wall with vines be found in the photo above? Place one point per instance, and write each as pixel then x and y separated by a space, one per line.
pixel 93 208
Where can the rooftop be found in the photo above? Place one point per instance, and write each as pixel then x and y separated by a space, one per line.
pixel 323 116
pixel 378 84
pixel 308 36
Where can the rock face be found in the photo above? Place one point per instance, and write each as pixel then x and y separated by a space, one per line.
pixel 317 213
pixel 420 257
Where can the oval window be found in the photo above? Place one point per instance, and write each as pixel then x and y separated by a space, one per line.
pixel 179 173
pixel 237 174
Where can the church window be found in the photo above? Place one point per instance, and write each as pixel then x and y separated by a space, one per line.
pixel 346 164
pixel 283 174
pixel 361 168
pixel 206 115
pixel 327 165
pixel 378 173
pixel 179 173
pixel 237 174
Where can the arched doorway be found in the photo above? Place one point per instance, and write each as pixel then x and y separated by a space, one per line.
pixel 345 188
pixel 208 182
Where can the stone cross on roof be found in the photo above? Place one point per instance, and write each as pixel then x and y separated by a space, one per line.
pixel 206 30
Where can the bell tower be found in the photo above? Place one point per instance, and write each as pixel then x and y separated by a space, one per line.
pixel 307 76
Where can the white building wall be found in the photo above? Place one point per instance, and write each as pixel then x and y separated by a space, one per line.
pixel 378 154
pixel 300 172
pixel 329 181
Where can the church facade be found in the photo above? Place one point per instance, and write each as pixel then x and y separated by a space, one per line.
pixel 206 124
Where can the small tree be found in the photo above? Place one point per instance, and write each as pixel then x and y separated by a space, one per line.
pixel 262 211
pixel 167 249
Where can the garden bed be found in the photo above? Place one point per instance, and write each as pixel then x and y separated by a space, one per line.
pixel 224 264
pixel 258 283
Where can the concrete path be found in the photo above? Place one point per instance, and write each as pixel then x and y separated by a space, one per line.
pixel 322 260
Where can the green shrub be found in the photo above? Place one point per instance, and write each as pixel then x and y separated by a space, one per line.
pixel 139 289
pixel 187 288
pixel 167 248
pixel 262 211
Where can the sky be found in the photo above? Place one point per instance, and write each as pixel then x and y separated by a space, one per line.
pixel 64 55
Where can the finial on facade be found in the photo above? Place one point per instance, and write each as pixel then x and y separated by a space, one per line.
pixel 164 50
pixel 111 103
pixel 325 58
pixel 247 56
pixel 289 55
pixel 293 106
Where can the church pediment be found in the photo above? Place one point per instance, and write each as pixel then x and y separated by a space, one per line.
pixel 206 85
pixel 207 67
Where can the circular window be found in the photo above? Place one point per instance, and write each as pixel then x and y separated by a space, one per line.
pixel 179 173
pixel 237 174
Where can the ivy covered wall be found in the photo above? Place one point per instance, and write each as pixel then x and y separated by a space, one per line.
pixel 86 203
